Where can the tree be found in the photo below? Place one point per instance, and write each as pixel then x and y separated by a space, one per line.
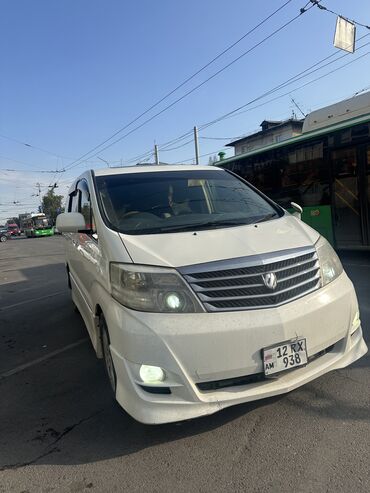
pixel 52 204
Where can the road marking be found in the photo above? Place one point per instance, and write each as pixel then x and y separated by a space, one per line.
pixel 20 368
pixel 31 288
pixel 20 303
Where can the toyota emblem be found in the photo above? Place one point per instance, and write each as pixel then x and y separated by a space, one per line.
pixel 270 280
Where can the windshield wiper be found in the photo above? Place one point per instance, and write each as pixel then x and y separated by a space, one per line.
pixel 205 225
pixel 266 218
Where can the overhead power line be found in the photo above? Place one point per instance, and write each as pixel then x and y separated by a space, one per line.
pixel 288 93
pixel 10 170
pixel 304 73
pixel 318 4
pixel 16 161
pixel 31 146
pixel 179 146
pixel 291 80
pixel 203 155
pixel 218 138
pixel 288 82
pixel 166 108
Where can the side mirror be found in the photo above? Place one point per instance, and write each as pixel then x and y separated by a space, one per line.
pixel 297 210
pixel 70 222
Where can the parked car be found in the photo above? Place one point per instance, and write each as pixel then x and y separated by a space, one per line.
pixel 13 229
pixel 4 234
pixel 200 292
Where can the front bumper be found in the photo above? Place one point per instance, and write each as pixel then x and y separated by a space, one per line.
pixel 203 347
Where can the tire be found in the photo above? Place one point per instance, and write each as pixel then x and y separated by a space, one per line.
pixel 3 238
pixel 108 361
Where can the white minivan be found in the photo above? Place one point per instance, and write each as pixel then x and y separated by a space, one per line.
pixel 200 292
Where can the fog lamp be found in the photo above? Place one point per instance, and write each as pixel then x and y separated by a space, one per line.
pixel 151 374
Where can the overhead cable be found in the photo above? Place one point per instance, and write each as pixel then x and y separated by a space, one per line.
pixel 300 87
pixel 166 108
pixel 318 4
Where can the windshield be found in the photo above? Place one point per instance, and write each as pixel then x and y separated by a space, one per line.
pixel 41 222
pixel 160 202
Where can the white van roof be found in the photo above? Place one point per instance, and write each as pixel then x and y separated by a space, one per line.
pixel 155 168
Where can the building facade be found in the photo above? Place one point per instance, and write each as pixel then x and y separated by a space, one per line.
pixel 271 132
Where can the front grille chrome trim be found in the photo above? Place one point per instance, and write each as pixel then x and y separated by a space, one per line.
pixel 200 289
pixel 249 261
pixel 307 271
pixel 221 278
pixel 223 285
pixel 203 297
pixel 211 308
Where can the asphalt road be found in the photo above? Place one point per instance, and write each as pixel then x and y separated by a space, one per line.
pixel 60 431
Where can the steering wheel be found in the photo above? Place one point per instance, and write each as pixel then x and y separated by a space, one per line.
pixel 140 217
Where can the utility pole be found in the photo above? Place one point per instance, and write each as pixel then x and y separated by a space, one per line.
pixel 196 143
pixel 38 186
pixel 156 154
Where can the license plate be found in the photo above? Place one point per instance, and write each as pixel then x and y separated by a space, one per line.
pixel 285 356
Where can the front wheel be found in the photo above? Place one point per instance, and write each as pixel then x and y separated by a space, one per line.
pixel 3 238
pixel 108 360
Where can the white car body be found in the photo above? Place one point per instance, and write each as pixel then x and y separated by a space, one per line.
pixel 208 347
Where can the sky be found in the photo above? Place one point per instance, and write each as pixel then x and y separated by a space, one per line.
pixel 74 72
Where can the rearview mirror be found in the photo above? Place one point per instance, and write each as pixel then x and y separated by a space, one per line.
pixel 70 222
pixel 297 210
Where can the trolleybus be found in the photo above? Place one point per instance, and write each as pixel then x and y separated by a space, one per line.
pixel 326 170
pixel 36 225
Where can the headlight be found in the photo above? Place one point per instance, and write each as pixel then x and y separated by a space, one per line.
pixel 330 265
pixel 152 289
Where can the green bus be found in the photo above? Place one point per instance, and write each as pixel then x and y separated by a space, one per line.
pixel 326 170
pixel 36 225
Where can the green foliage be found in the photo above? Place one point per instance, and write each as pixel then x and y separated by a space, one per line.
pixel 52 204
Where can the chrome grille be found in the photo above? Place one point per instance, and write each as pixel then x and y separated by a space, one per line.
pixel 238 284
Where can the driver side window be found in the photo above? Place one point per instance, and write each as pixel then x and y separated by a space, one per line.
pixel 84 206
pixel 73 201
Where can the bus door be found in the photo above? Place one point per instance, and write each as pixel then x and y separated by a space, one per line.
pixel 346 200
pixel 350 207
pixel 366 193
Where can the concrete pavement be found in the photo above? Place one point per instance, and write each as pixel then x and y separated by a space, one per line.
pixel 60 430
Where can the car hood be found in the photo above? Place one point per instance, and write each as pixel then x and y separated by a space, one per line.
pixel 190 248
